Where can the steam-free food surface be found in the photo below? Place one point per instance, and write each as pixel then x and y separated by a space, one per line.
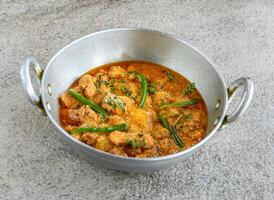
pixel 134 109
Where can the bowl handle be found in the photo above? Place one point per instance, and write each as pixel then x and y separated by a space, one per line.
pixel 33 96
pixel 245 100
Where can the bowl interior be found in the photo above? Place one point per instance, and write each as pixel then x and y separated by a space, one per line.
pixel 133 44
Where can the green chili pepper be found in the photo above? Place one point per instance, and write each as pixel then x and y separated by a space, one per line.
pixel 170 75
pixel 189 89
pixel 143 80
pixel 88 102
pixel 180 104
pixel 118 127
pixel 173 133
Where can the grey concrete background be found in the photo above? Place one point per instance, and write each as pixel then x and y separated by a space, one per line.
pixel 238 163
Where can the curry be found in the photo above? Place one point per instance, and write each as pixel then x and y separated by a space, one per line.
pixel 134 109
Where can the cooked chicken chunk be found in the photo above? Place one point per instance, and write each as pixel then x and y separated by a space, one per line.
pixel 68 101
pixel 70 116
pixel 128 103
pixel 115 119
pixel 162 97
pixel 88 115
pixel 89 138
pixel 117 137
pixel 102 143
pixel 117 72
pixel 86 83
pixel 149 142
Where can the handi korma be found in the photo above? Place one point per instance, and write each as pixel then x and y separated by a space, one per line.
pixel 134 109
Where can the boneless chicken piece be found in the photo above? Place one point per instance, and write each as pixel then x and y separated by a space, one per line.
pixel 88 115
pixel 66 100
pixel 101 76
pixel 148 140
pixel 113 104
pixel 117 72
pixel 102 143
pixel 78 116
pixel 89 138
pixel 115 119
pixel 128 103
pixel 70 116
pixel 117 138
pixel 86 83
pixel 162 97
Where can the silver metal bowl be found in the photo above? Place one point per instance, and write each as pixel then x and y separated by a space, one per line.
pixel 133 44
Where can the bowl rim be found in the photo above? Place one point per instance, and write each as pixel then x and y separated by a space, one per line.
pixel 118 157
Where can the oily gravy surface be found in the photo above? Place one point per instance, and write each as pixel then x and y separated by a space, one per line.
pixel 134 108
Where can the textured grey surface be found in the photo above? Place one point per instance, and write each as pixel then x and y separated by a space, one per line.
pixel 238 163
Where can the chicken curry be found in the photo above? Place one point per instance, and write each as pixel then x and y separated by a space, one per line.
pixel 134 109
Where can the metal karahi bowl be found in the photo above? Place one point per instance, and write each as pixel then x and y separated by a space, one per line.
pixel 133 44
